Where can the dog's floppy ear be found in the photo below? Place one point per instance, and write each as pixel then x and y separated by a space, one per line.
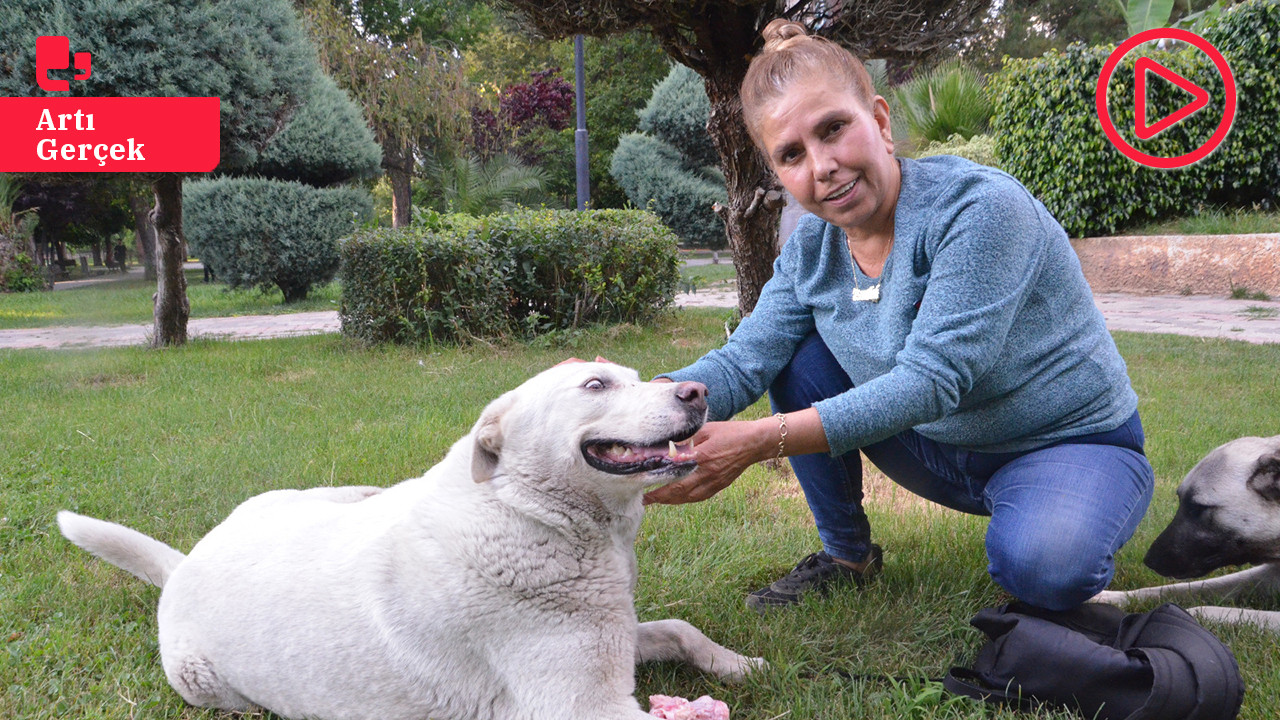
pixel 1266 477
pixel 487 435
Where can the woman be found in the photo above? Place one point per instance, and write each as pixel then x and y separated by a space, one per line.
pixel 933 315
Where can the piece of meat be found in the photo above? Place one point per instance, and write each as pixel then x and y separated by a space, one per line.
pixel 677 708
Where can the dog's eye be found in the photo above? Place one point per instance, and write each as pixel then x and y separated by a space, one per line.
pixel 594 384
pixel 1196 509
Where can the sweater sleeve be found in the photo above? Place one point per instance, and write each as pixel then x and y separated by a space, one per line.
pixel 984 241
pixel 740 372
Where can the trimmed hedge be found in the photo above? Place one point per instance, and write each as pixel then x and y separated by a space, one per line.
pixel 451 278
pixel 271 233
pixel 420 284
pixel 1048 135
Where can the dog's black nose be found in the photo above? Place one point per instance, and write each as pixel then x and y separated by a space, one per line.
pixel 694 393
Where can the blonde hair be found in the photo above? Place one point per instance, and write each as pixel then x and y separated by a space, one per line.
pixel 791 54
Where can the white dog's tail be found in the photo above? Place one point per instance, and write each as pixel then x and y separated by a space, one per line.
pixel 144 557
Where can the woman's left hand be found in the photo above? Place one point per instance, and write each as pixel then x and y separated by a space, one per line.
pixel 723 450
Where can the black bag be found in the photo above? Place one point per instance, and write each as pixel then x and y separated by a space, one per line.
pixel 1097 660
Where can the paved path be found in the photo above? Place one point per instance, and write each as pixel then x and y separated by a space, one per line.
pixel 1197 315
pixel 245 327
pixel 1248 320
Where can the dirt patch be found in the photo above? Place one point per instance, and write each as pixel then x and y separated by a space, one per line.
pixel 878 490
pixel 292 375
pixel 113 380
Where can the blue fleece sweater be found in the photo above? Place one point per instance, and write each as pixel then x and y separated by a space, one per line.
pixel 985 336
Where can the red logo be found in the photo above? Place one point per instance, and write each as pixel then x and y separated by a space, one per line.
pixel 51 54
pixel 1200 99
pixel 1144 131
pixel 103 134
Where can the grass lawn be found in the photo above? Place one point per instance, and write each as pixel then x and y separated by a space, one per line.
pixel 170 441
pixel 708 276
pixel 1214 221
pixel 127 300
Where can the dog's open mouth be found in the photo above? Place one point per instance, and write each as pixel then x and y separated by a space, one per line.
pixel 620 458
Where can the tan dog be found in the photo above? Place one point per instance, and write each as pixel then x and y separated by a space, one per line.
pixel 497 585
pixel 1228 514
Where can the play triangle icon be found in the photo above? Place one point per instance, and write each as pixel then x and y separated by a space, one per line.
pixel 1144 65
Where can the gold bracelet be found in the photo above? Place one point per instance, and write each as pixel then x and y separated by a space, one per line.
pixel 782 433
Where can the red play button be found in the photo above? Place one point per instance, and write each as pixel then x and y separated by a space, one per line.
pixel 1144 65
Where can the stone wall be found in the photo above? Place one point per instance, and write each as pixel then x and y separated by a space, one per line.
pixel 1181 264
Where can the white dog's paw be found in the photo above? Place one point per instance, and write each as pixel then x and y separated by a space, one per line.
pixel 1111 597
pixel 740 667
pixel 1267 620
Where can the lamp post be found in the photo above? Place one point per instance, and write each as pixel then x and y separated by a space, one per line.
pixel 580 134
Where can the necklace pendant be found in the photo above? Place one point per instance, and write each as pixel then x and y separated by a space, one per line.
pixel 871 294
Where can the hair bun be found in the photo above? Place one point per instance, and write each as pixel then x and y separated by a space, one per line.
pixel 779 31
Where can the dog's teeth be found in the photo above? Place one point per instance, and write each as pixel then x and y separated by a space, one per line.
pixel 671 448
pixel 626 452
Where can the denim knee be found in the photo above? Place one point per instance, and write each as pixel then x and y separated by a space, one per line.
pixel 1049 575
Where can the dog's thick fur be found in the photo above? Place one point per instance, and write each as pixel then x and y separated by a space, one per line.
pixel 1228 514
pixel 497 585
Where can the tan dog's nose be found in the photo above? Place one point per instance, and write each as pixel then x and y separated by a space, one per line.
pixel 693 393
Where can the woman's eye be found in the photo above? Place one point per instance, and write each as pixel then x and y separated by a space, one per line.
pixel 594 385
pixel 834 128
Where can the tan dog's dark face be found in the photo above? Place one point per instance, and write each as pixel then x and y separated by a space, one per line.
pixel 1228 512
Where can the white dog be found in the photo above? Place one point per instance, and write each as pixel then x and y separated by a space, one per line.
pixel 1228 514
pixel 497 585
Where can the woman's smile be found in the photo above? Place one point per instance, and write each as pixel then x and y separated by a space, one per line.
pixel 842 193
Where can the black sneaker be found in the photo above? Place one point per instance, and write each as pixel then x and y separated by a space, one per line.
pixel 819 572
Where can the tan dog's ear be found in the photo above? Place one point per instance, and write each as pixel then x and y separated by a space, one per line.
pixel 1266 477
pixel 488 438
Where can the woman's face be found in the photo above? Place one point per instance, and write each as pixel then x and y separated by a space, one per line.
pixel 834 155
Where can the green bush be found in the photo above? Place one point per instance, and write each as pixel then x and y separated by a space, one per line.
pixel 950 99
pixel 677 112
pixel 20 274
pixel 262 233
pixel 979 148
pixel 425 283
pixel 565 269
pixel 1248 35
pixel 653 174
pixel 325 142
pixel 450 278
pixel 670 167
pixel 1048 135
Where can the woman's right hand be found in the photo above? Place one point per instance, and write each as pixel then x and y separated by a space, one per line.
pixel 723 451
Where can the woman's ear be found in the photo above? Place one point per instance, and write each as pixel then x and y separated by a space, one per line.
pixel 880 109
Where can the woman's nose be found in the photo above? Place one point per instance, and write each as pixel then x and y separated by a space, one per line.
pixel 823 162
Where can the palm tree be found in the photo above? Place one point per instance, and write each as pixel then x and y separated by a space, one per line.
pixel 951 99
pixel 478 187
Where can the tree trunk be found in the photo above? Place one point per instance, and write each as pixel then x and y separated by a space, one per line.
pixel 718 42
pixel 398 164
pixel 755 199
pixel 145 233
pixel 171 307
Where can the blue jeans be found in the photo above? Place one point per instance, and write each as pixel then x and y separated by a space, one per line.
pixel 1058 513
